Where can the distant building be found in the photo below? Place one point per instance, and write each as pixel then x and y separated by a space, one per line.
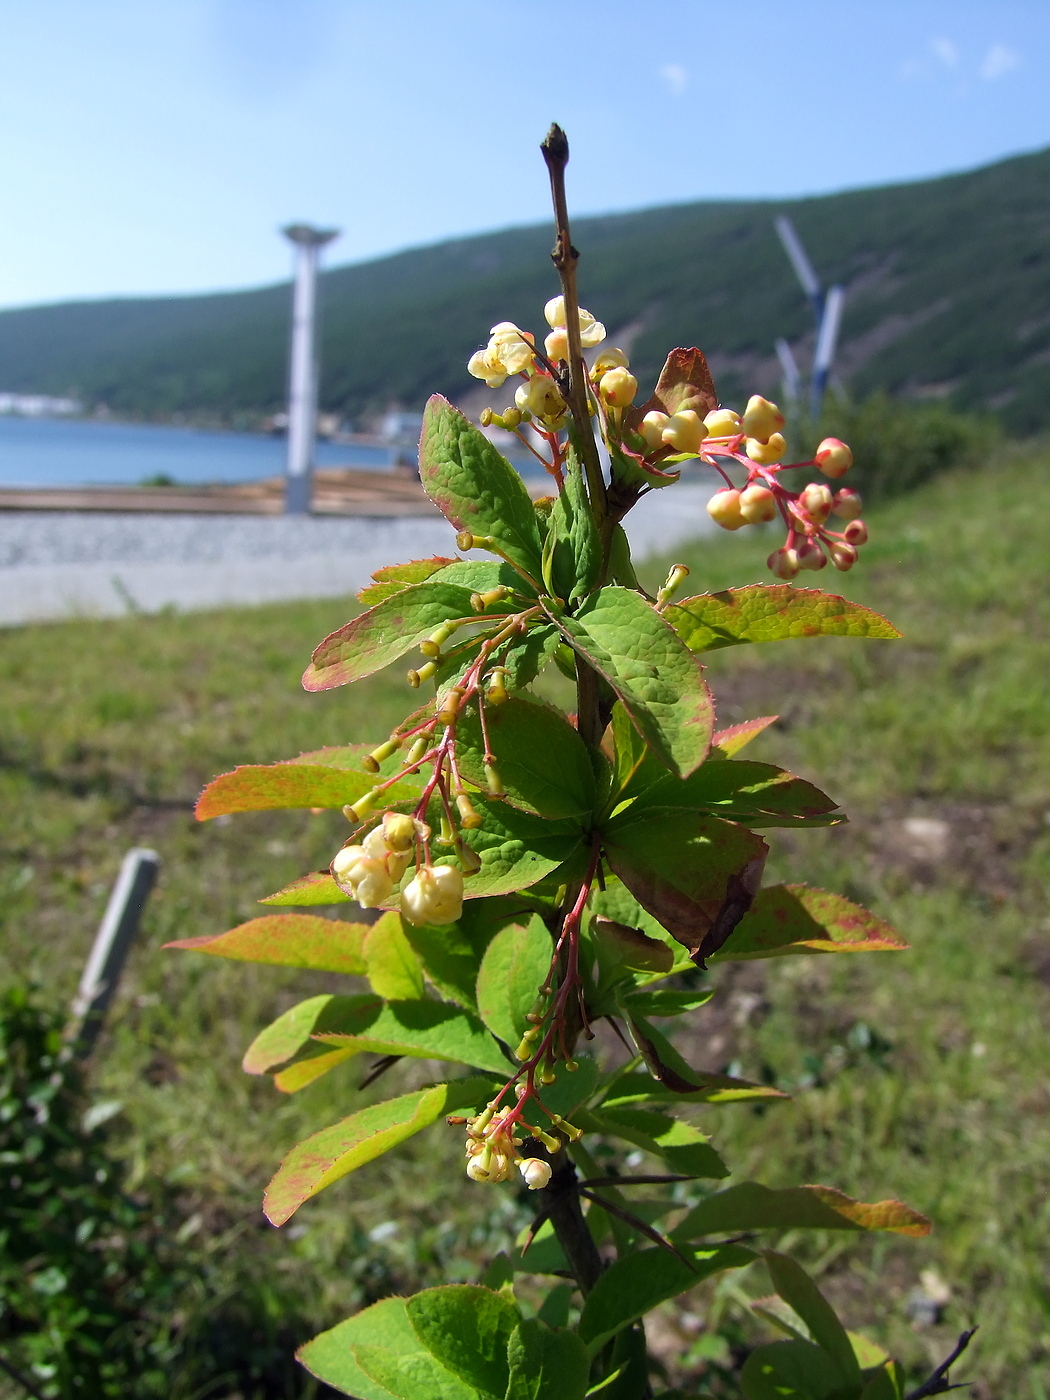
pixel 38 405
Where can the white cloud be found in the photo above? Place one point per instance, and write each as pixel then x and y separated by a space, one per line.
pixel 999 59
pixel 946 50
pixel 675 78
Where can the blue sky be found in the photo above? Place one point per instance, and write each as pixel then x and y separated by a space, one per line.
pixel 157 145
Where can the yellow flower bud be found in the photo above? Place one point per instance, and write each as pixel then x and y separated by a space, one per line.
pixel 401 831
pixel 783 563
pixel 856 532
pixel 434 895
pixel 536 1171
pixel 766 453
pixel 618 387
pixel 816 501
pixel 833 457
pixel 684 431
pixel 652 428
pixel 847 504
pixel 724 509
pixel 557 346
pixel 542 398
pixel 758 505
pixel 761 418
pixel 722 422
pixel 610 358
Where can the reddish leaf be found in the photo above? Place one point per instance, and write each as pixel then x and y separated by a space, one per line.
pixel 324 778
pixel 288 940
pixel 392 578
pixel 770 612
pixel 685 382
pixel 727 742
pixel 797 919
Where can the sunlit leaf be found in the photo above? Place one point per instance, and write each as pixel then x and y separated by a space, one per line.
pixel 727 742
pixel 787 919
pixel 656 678
pixel 330 1356
pixel 317 888
pixel 391 963
pixel 577 549
pixel 542 761
pixel 259 787
pixel 327 1156
pixel 467 1328
pixel 770 612
pixel 288 940
pixel 475 487
pixel 392 578
pixel 757 794
pixel 515 965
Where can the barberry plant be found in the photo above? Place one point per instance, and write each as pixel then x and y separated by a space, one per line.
pixel 540 873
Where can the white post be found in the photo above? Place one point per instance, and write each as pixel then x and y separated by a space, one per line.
pixel 138 872
pixel 302 374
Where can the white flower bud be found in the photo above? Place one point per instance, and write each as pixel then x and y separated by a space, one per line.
pixel 783 563
pixel 652 427
pixel 434 895
pixel 724 509
pixel 592 332
pixel 557 346
pixel 536 1171
pixel 816 501
pixel 372 883
pixel 847 503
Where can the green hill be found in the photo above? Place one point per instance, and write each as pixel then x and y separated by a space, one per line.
pixel 948 296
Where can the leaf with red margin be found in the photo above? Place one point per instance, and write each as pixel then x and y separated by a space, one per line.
pixel 786 919
pixel 696 874
pixel 324 778
pixel 317 888
pixel 288 940
pixel 751 1206
pixel 770 612
pixel 727 742
pixel 333 1152
pixel 392 578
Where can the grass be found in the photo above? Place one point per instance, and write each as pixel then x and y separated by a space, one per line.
pixel 923 1075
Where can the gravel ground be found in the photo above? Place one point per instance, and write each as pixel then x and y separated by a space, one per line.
pixel 60 564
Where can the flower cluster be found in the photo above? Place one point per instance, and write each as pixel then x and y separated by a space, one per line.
pixel 495 1135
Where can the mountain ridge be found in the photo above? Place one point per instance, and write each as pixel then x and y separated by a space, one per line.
pixel 946 280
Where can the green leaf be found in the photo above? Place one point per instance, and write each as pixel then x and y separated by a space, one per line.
pixel 480 575
pixel 514 967
pixel 311 1065
pixel 571 1088
pixel 524 658
pixel 621 567
pixel 577 552
pixel 554 1310
pixel 641 1281
pixel 288 940
pixel 622 946
pixel 750 1206
pixel 467 1329
pixel 330 1356
pixel 392 578
pixel 770 612
pixel 327 1156
pixel 661 1002
pixel 800 1292
pixel 546 1364
pixel 451 957
pixel 476 488
pixel 684 1148
pixel 757 794
pixel 701 1087
pixel 392 966
pixel 886 1384
pixel 317 888
pixel 517 849
pixel 427 1030
pixel 411 1375
pixel 418 1029
pixel 261 787
pixel 696 874
pixel 787 919
pixel 656 678
pixel 542 761
pixel 681 1080
pixel 792 1371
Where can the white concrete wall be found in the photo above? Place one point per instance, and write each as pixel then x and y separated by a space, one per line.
pixel 61 564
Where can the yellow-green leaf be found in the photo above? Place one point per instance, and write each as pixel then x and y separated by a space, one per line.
pixel 787 919
pixel 771 612
pixel 288 940
pixel 751 1206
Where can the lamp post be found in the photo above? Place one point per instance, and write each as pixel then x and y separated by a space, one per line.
pixel 302 373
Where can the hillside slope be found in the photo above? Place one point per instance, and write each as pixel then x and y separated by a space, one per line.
pixel 948 285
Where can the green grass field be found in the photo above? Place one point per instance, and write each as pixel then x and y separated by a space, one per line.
pixel 924 1075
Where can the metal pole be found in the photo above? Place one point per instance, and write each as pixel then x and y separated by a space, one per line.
pixel 302 374
pixel 827 339
pixel 138 874
pixel 789 370
pixel 799 260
